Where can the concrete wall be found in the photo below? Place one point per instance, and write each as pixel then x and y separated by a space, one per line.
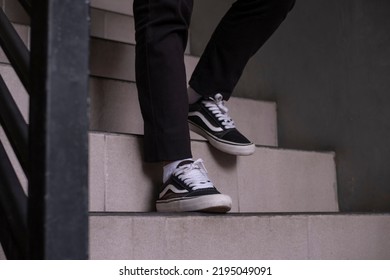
pixel 328 69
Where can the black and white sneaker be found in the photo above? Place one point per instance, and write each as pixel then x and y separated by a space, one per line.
pixel 189 189
pixel 210 119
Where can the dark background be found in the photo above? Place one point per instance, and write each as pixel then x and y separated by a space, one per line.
pixel 328 69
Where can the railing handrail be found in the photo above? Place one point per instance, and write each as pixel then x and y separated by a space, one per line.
pixel 14 125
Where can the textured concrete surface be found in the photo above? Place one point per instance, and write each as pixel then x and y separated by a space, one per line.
pixel 272 180
pixel 284 179
pixel 15 11
pixel 349 237
pixel 255 119
pixel 118 178
pixel 198 236
pixel 130 183
pixel 115 108
pixel 112 26
pixel 97 173
pixel 112 60
pixel 118 6
pixel 116 27
pixel 116 60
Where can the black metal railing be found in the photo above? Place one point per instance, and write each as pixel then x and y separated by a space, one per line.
pixel 26 4
pixel 52 221
pixel 15 50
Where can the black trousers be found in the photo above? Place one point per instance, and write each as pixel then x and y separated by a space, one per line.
pixel 161 38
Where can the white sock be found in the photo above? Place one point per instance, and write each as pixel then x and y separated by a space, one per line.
pixel 193 96
pixel 170 167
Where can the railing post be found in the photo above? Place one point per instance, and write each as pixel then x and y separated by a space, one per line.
pixel 58 191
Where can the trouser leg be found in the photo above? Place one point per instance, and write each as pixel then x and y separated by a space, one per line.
pixel 242 31
pixel 161 37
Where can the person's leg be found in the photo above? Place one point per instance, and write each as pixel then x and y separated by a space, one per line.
pixel 242 31
pixel 161 37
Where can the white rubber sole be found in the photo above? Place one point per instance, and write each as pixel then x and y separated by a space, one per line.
pixel 224 146
pixel 215 203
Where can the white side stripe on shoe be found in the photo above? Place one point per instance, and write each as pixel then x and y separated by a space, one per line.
pixel 209 125
pixel 171 188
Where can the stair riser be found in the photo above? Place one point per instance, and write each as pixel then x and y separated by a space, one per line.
pixel 240 237
pixel 115 26
pixel 117 60
pixel 112 26
pixel 118 6
pixel 269 181
pixel 114 104
pixel 115 108
pixel 113 58
pixel 15 11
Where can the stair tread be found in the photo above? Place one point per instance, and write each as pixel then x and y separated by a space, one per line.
pixel 250 236
pixel 271 180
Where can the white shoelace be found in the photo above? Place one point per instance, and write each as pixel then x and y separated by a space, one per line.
pixel 194 175
pixel 217 106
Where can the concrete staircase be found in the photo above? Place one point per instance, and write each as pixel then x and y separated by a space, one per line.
pixel 284 202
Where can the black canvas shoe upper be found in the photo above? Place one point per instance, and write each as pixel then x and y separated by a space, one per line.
pixel 187 181
pixel 189 189
pixel 211 115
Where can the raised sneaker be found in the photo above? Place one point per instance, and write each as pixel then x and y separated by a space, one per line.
pixel 190 189
pixel 210 119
